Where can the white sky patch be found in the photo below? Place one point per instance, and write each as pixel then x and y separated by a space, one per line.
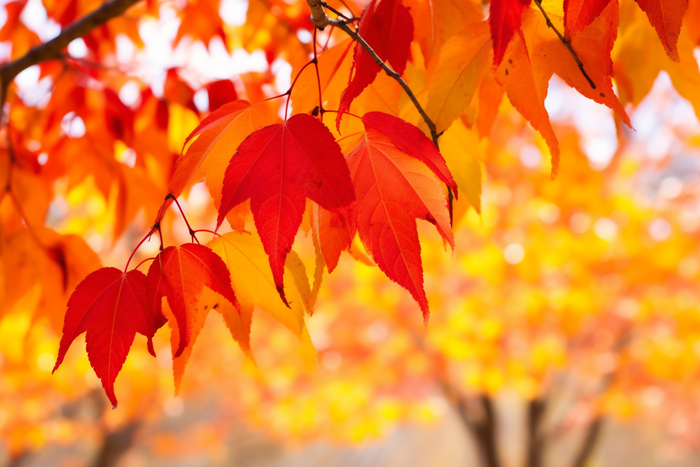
pixel 126 50
pixel 663 120
pixel 130 94
pixel 201 100
pixel 77 48
pixel 233 12
pixel 595 122
pixel 35 18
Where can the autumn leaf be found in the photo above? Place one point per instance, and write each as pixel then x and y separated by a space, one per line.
pixel 254 285
pixel 504 19
pixel 387 26
pixel 535 55
pixel 460 147
pixel 180 274
pixel 455 77
pixel 436 22
pixel 639 58
pixel 335 231
pixel 580 13
pixel 110 306
pixel 237 319
pixel 220 92
pixel 213 143
pixel 667 18
pixel 278 167
pixel 410 140
pixel 395 186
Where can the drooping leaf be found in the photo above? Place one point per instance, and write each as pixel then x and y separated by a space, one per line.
pixel 410 140
pixel 455 77
pixel 333 68
pixel 254 285
pixel 436 22
pixel 580 13
pixel 504 19
pixel 639 58
pixel 387 27
pixel 278 167
pixel 490 97
pixel 217 137
pixel 335 231
pixel 460 146
pixel 237 320
pixel 180 274
pixel 593 45
pixel 667 18
pixel 536 54
pixel 111 307
pixel 394 188
pixel 527 91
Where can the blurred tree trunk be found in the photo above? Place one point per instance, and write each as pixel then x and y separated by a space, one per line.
pixel 535 439
pixel 115 444
pixel 589 443
pixel 479 417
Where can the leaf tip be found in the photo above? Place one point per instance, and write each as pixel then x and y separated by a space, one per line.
pixel 151 349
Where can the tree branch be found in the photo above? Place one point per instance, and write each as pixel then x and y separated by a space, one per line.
pixel 566 44
pixel 391 73
pixel 321 20
pixel 52 49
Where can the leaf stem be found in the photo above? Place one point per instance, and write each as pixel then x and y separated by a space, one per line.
pixel 289 91
pixel 147 236
pixel 390 72
pixel 566 43
pixel 318 79
pixel 192 232
pixel 147 259
pixel 216 234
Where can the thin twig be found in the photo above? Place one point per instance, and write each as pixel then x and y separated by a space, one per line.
pixel 321 20
pixel 391 73
pixel 566 44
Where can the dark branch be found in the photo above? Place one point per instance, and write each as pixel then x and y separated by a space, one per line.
pixel 321 20
pixel 566 44
pixel 391 73
pixel 52 49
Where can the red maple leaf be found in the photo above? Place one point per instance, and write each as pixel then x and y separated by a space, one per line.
pixel 110 306
pixel 396 185
pixel 180 274
pixel 387 27
pixel 580 13
pixel 278 167
pixel 505 17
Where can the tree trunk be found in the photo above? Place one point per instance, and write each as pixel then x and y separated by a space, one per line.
pixel 115 445
pixel 480 421
pixel 589 442
pixel 489 434
pixel 535 441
